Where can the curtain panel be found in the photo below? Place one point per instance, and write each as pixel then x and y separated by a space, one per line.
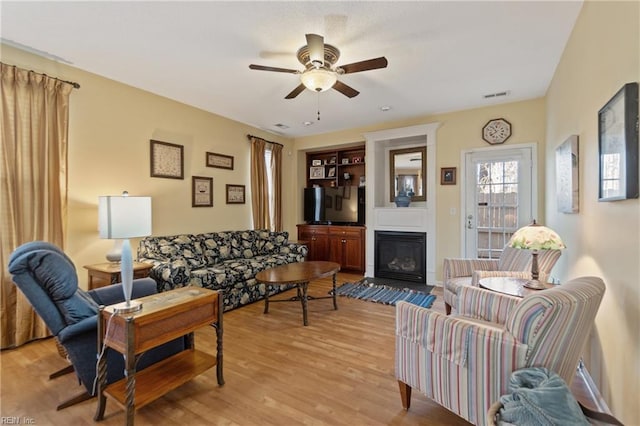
pixel 266 198
pixel 34 122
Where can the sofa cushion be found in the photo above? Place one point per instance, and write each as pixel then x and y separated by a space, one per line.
pixel 244 244
pixel 217 246
pixel 185 246
pixel 271 242
pixel 212 244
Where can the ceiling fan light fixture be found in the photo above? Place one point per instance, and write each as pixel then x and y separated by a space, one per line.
pixel 318 80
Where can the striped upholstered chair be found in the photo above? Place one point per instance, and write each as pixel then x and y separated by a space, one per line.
pixel 513 262
pixel 463 361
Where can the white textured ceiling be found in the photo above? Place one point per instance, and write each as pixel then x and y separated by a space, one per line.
pixel 443 56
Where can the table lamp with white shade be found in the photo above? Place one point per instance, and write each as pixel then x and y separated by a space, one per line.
pixel 535 237
pixel 123 217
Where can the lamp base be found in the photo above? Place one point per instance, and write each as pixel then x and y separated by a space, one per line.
pixel 127 308
pixel 534 285
pixel 115 254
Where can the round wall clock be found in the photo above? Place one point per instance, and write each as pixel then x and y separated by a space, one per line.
pixel 496 131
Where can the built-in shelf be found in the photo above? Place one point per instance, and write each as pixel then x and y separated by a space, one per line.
pixel 328 168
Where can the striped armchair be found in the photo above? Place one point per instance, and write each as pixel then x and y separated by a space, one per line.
pixel 513 262
pixel 464 361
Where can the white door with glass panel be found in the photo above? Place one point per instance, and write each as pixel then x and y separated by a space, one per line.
pixel 499 197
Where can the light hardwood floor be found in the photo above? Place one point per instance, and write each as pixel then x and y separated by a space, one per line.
pixel 336 371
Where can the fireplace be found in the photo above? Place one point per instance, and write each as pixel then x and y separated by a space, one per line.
pixel 401 256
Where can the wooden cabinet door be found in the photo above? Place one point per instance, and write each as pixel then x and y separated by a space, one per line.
pixel 352 254
pixel 335 250
pixel 346 247
pixel 317 239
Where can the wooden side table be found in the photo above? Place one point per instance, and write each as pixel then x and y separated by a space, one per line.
pixel 102 274
pixel 164 317
pixel 509 285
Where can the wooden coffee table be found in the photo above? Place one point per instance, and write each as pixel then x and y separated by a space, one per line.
pixel 300 274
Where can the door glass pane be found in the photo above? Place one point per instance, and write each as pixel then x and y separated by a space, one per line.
pixel 497 189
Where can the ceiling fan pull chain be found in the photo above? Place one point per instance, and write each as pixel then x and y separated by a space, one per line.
pixel 318 106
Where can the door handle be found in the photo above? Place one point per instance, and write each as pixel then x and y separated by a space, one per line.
pixel 469 224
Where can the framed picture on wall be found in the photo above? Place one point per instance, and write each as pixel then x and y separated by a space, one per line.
pixel 618 145
pixel 219 161
pixel 201 191
pixel 235 194
pixel 448 176
pixel 167 160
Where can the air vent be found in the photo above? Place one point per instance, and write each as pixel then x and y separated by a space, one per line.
pixel 281 126
pixel 496 95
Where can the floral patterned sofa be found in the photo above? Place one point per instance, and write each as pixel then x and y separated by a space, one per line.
pixel 227 260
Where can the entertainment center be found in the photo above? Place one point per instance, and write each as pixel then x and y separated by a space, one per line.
pixel 334 207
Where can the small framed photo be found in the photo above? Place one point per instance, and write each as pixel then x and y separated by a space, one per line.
pixel 332 172
pixel 167 160
pixel 345 161
pixel 357 159
pixel 448 176
pixel 235 194
pixel 618 145
pixel 201 191
pixel 316 172
pixel 316 162
pixel 219 161
pixel 332 160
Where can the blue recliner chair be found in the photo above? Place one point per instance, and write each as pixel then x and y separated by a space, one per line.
pixel 48 279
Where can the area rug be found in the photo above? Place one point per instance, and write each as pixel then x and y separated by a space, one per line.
pixel 384 294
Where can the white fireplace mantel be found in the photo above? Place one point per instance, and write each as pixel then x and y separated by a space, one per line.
pixel 381 214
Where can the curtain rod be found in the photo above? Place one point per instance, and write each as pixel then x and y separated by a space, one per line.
pixel 251 136
pixel 72 83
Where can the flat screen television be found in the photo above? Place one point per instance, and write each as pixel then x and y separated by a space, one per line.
pixel 341 205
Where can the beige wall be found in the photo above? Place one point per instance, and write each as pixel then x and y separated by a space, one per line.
pixel 459 131
pixel 109 132
pixel 603 239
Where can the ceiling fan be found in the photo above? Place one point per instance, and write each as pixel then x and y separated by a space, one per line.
pixel 320 72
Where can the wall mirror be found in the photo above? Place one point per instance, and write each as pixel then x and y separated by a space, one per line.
pixel 408 170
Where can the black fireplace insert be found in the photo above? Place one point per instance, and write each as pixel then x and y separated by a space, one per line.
pixel 401 256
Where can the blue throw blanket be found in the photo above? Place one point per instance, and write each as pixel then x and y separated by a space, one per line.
pixel 539 397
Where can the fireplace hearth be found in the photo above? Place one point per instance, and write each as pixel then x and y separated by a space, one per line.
pixel 400 255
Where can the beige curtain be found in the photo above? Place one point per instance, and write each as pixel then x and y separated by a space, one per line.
pixel 34 114
pixel 266 202
pixel 276 172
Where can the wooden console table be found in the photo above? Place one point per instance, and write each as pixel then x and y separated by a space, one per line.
pixel 164 317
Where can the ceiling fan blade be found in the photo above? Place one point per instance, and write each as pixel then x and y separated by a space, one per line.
pixel 345 90
pixel 315 43
pixel 367 65
pixel 295 92
pixel 263 68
